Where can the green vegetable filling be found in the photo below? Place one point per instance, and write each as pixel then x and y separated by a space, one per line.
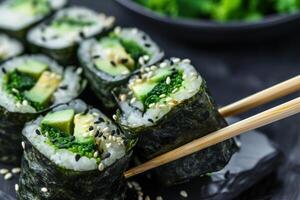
pixel 163 88
pixel 31 7
pixel 17 84
pixel 68 22
pixel 62 140
pixel 221 10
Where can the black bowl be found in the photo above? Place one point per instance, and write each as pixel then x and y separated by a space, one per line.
pixel 209 31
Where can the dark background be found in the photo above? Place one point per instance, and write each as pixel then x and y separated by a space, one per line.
pixel 234 71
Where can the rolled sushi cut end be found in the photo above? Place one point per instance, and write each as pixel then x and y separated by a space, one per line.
pixel 60 36
pixel 34 83
pixel 30 85
pixel 78 143
pixel 9 47
pixel 110 60
pixel 153 93
pixel 166 106
pixel 22 14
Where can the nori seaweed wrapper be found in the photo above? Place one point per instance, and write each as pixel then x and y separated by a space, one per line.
pixel 103 84
pixel 66 55
pixel 21 33
pixel 189 120
pixel 66 183
pixel 62 184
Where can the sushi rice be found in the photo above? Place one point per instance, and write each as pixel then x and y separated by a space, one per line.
pixel 9 47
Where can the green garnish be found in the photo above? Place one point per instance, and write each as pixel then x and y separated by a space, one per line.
pixel 62 140
pixel 221 10
pixel 162 88
pixel 71 22
pixel 31 7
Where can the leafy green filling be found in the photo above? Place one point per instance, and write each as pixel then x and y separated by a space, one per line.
pixel 71 22
pixel 132 48
pixel 61 140
pixel 31 7
pixel 221 10
pixel 162 88
pixel 17 84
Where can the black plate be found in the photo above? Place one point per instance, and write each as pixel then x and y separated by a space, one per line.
pixel 212 32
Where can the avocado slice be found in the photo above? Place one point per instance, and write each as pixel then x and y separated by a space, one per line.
pixel 62 120
pixel 43 90
pixel 107 67
pixel 82 125
pixel 33 68
pixel 141 90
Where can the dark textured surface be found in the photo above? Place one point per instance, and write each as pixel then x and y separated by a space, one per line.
pixel 232 72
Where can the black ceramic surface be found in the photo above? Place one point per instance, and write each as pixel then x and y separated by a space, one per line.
pixel 212 32
pixel 233 72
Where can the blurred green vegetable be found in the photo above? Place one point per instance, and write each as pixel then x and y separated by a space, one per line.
pixel 222 10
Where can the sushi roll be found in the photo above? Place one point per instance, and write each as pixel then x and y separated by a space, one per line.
pixel 18 16
pixel 30 85
pixel 167 106
pixel 60 36
pixel 74 152
pixel 9 47
pixel 108 62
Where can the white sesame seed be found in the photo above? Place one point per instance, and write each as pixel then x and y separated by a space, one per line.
pixel 151 105
pixel 169 99
pixel 4 171
pixel 15 90
pixel 146 57
pixel 16 170
pixel 96 154
pixel 101 167
pixel 153 67
pixel 123 97
pixel 8 176
pixel 176 60
pixel 16 187
pixel 115 117
pixel 18 104
pixel 183 193
pixel 129 185
pixel 44 189
pixel 163 65
pixel 132 100
pixel 159 198
pixel 25 102
pixel 188 61
pixel 162 96
pixel 79 71
pixel 175 90
pixel 141 61
pixel 117 30
pixel 168 80
pixel 23 144
pixel 105 129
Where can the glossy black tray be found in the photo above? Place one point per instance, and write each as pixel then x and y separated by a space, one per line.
pixel 208 31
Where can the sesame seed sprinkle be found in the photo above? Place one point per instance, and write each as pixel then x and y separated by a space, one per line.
pixel 183 193
pixel 23 144
pixel 188 61
pixel 163 65
pixel 4 171
pixel 132 100
pixel 16 170
pixel 101 167
pixel 168 80
pixel 115 117
pixel 44 189
pixel 16 187
pixel 8 176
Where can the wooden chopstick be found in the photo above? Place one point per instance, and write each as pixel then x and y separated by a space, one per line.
pixel 269 116
pixel 280 90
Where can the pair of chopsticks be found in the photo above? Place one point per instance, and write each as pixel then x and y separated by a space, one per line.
pixel 264 118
